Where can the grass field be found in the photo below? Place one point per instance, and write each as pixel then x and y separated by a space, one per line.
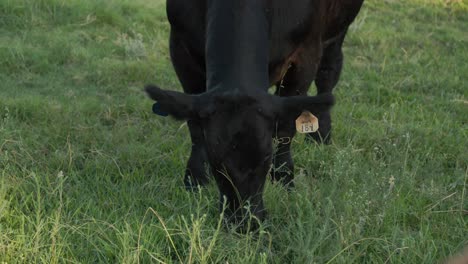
pixel 88 174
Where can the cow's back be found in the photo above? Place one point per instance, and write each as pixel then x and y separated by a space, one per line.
pixel 291 24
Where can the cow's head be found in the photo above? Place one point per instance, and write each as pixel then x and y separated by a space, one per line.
pixel 238 132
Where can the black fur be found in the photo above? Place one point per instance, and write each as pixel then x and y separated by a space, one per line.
pixel 227 53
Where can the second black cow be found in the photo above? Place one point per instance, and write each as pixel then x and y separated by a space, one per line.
pixel 227 53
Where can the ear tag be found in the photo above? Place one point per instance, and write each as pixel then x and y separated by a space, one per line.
pixel 307 123
pixel 157 110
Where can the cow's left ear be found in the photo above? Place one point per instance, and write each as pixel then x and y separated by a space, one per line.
pixel 176 104
pixel 292 107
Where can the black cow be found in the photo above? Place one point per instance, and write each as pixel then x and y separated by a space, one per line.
pixel 227 53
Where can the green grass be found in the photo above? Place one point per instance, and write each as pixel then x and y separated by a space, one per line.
pixel 88 174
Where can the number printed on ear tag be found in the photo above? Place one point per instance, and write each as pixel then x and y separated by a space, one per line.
pixel 307 123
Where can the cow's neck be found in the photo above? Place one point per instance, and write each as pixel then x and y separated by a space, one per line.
pixel 237 45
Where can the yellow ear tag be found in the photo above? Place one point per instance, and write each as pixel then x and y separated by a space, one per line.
pixel 307 123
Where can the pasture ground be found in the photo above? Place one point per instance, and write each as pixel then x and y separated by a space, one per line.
pixel 88 174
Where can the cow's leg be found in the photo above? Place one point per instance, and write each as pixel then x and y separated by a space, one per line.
pixel 196 172
pixel 327 78
pixel 192 78
pixel 296 82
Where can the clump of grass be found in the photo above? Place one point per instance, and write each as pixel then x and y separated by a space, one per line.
pixel 133 46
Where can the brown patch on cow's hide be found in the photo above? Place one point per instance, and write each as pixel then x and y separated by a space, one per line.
pixel 280 70
pixel 305 56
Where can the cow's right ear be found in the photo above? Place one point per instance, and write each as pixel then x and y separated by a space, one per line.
pixel 181 106
pixel 176 104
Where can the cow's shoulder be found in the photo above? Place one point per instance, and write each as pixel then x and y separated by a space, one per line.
pixel 186 15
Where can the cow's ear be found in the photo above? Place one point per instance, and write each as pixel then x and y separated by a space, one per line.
pixel 178 105
pixel 292 107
